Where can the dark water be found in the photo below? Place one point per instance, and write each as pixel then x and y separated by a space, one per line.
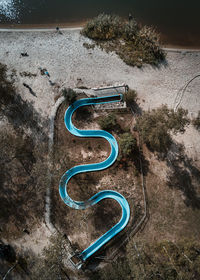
pixel 178 21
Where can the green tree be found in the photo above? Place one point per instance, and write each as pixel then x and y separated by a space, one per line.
pixel 127 144
pixel 155 126
pixel 130 97
pixel 70 95
pixel 109 122
pixel 177 120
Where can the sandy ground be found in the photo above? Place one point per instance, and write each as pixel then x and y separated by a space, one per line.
pixel 67 61
pixel 35 242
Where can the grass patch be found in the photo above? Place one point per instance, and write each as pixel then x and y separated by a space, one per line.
pixel 134 44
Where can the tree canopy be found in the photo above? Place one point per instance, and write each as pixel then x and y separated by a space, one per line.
pixel 70 95
pixel 155 126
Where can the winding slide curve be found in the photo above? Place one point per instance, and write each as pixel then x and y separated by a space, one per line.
pixel 94 167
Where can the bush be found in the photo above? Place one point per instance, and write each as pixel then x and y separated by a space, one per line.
pixel 178 120
pixel 70 95
pixel 154 127
pixel 130 30
pixel 143 49
pixel 127 144
pixel 135 45
pixel 103 27
pixel 109 122
pixel 130 97
pixel 196 122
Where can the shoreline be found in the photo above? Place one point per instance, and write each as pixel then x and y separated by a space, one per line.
pixel 63 25
pixel 49 27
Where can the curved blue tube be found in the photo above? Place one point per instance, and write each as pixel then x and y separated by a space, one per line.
pixel 94 167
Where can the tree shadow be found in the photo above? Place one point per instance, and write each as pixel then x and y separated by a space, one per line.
pixel 137 157
pixel 106 215
pixel 21 160
pixel 7 252
pixel 136 109
pixel 184 175
pixel 140 162
pixel 83 114
pixel 22 115
pixel 162 63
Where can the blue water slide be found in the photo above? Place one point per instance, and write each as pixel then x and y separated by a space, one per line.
pixel 94 167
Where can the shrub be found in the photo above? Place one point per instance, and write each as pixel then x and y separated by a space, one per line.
pixel 155 126
pixel 130 30
pixel 70 95
pixel 127 144
pixel 196 122
pixel 135 45
pixel 130 97
pixel 109 122
pixel 103 27
pixel 178 120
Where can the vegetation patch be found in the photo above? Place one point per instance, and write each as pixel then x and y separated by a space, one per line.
pixel 155 126
pixel 108 122
pixel 164 260
pixel 196 122
pixel 134 44
pixel 130 97
pixel 70 95
pixel 127 144
pixel 89 46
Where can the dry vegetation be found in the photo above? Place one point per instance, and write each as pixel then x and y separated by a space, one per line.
pixel 134 44
pixel 155 127
pixel 159 261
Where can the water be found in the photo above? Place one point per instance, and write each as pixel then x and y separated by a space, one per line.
pixel 178 21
